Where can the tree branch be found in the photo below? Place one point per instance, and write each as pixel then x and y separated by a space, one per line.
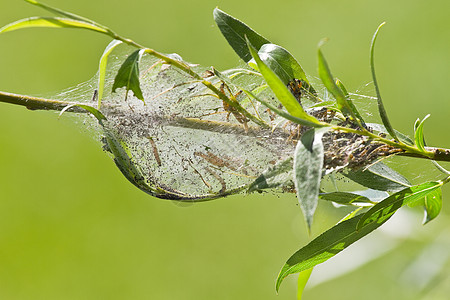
pixel 35 103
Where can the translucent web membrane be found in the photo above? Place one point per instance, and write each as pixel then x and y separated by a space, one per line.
pixel 183 143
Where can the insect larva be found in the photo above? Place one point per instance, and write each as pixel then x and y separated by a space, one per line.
pixel 155 151
pixel 220 179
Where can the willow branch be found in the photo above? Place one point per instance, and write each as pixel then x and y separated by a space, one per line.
pixel 438 154
pixel 36 103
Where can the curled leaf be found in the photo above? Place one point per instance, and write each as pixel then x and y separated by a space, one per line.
pixel 418 134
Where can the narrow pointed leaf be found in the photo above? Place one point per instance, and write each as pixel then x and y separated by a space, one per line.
pixel 325 246
pixel 128 75
pixel 308 162
pixel 344 198
pixel 386 208
pixel 303 278
pixel 126 165
pixel 63 13
pixel 282 63
pixel 433 205
pixel 416 124
pixel 102 68
pixel 418 134
pixel 95 112
pixel 350 102
pixel 379 177
pixel 280 90
pixel 381 109
pixel 280 112
pixel 50 22
pixel 235 32
pixel 328 81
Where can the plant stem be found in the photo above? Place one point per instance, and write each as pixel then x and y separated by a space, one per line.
pixel 438 154
pixel 35 103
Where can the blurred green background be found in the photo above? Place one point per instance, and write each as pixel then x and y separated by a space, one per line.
pixel 72 227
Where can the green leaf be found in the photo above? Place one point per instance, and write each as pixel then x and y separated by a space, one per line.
pixel 381 109
pixel 235 32
pixel 379 177
pixel 65 13
pixel 433 205
pixel 282 63
pixel 386 208
pixel 128 75
pixel 303 278
pixel 325 246
pixel 328 81
pixel 102 68
pixel 277 176
pixel 308 162
pixel 280 112
pixel 95 112
pixel 350 102
pixel 380 128
pixel 127 166
pixel 281 91
pixel 50 22
pixel 418 134
pixel 344 198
